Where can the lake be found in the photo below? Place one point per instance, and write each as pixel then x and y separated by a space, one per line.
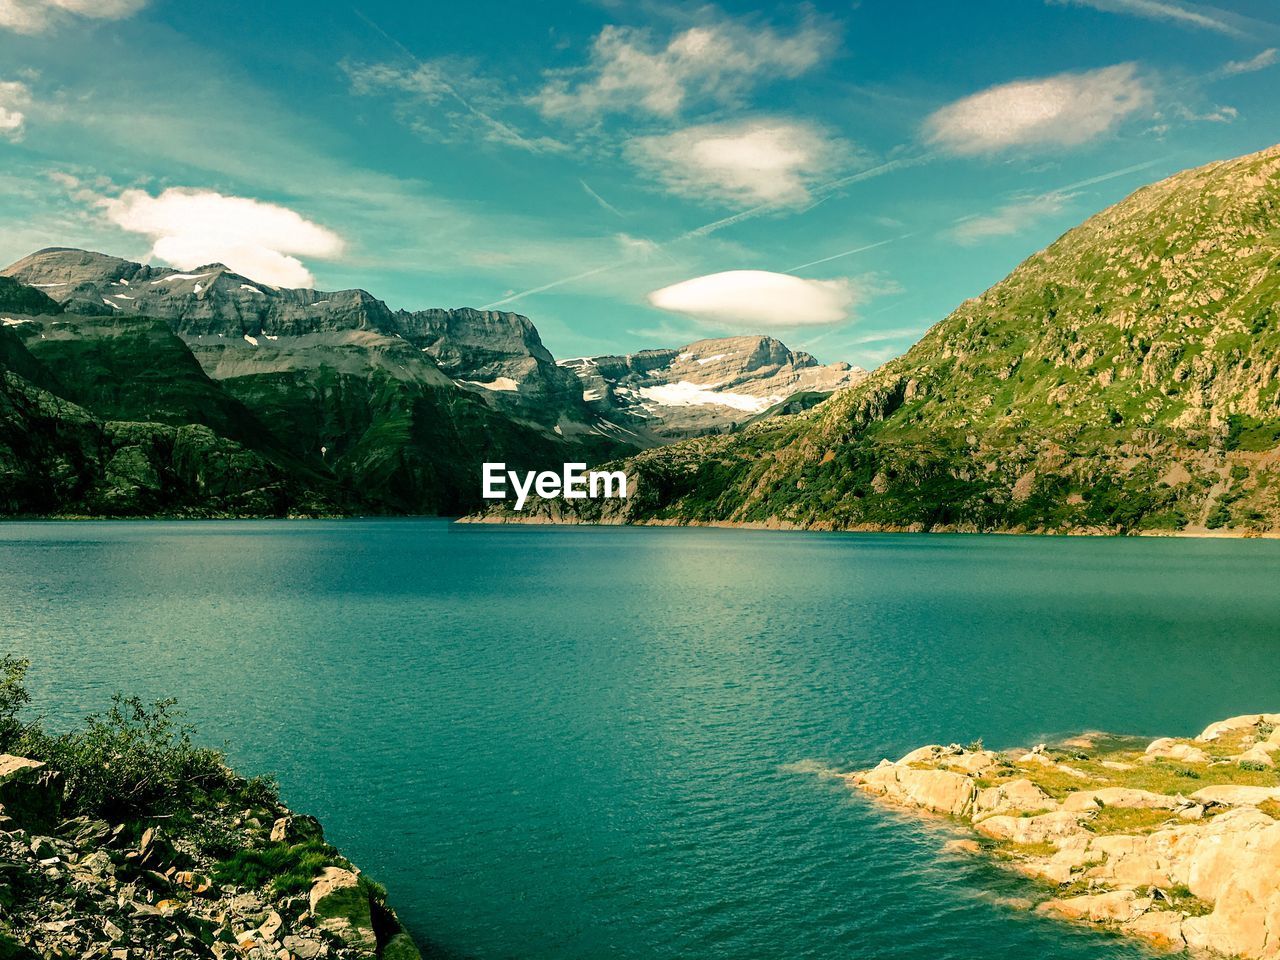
pixel 592 743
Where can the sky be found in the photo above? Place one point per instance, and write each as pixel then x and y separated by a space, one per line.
pixel 627 174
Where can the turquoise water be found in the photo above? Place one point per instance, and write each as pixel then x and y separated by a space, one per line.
pixel 594 743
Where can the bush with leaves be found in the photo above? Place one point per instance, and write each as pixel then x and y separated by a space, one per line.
pixel 134 760
pixel 13 699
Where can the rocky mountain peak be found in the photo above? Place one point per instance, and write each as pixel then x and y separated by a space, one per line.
pixel 708 386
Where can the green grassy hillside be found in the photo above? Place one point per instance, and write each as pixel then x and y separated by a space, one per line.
pixel 1124 379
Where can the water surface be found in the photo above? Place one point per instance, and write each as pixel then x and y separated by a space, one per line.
pixel 588 743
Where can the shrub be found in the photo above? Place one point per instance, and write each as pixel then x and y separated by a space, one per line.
pixel 134 761
pixel 14 731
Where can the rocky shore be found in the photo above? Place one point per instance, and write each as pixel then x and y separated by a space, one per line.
pixel 242 877
pixel 1175 841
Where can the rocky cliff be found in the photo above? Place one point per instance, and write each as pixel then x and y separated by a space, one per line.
pixel 113 412
pixel 1125 379
pixel 87 888
pixel 1175 841
pixel 121 838
pixel 706 387
pixel 497 357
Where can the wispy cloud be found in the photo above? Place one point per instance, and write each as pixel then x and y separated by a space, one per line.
pixel 15 100
pixel 443 100
pixel 1010 218
pixel 37 16
pixel 1066 110
pixel 1023 212
pixel 1267 58
pixel 1200 16
pixel 772 160
pixel 631 70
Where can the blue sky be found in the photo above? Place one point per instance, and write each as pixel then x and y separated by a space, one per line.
pixel 857 168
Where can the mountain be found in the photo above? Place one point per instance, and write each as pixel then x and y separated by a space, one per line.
pixel 386 411
pixel 710 386
pixel 150 390
pixel 1126 378
pixel 497 356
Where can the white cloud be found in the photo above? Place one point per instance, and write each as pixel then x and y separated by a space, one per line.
pixel 1064 110
pixel 630 71
pixel 191 228
pixel 1205 18
pixel 15 97
pixel 1011 218
pixel 1267 58
pixel 759 300
pixel 769 161
pixel 36 16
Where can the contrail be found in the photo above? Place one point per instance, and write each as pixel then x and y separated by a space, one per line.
pixel 601 200
pixel 1101 178
pixel 552 285
pixel 848 253
pixel 510 134
pixel 709 228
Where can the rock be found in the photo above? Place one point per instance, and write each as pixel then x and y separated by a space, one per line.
pixel 1259 754
pixel 1236 795
pixel 1014 796
pixel 296 828
pixel 1161 928
pixel 306 949
pixel 962 846
pixel 30 793
pixel 940 791
pixel 1171 749
pixel 1083 800
pixel 1114 905
pixel 928 754
pixel 1047 827
pixel 340 904
pixel 972 761
pixel 1246 722
pixel 401 947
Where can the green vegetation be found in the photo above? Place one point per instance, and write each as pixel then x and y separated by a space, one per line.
pixel 1109 384
pixel 133 762
pixel 290 868
pixel 1110 820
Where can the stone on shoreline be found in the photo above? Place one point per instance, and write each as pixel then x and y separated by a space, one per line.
pixel 1176 841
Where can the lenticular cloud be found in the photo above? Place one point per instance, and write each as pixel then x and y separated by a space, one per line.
pixel 754 299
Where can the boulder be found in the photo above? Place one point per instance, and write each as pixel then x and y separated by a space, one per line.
pixel 30 793
pixel 1233 795
pixel 340 904
pixel 1160 928
pixel 1083 800
pixel 940 791
pixel 1047 827
pixel 1257 755
pixel 1171 749
pixel 1232 724
pixel 1014 796
pixel 401 947
pixel 926 754
pixel 1118 906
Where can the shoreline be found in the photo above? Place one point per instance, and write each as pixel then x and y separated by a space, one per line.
pixel 1174 841
pixel 781 526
